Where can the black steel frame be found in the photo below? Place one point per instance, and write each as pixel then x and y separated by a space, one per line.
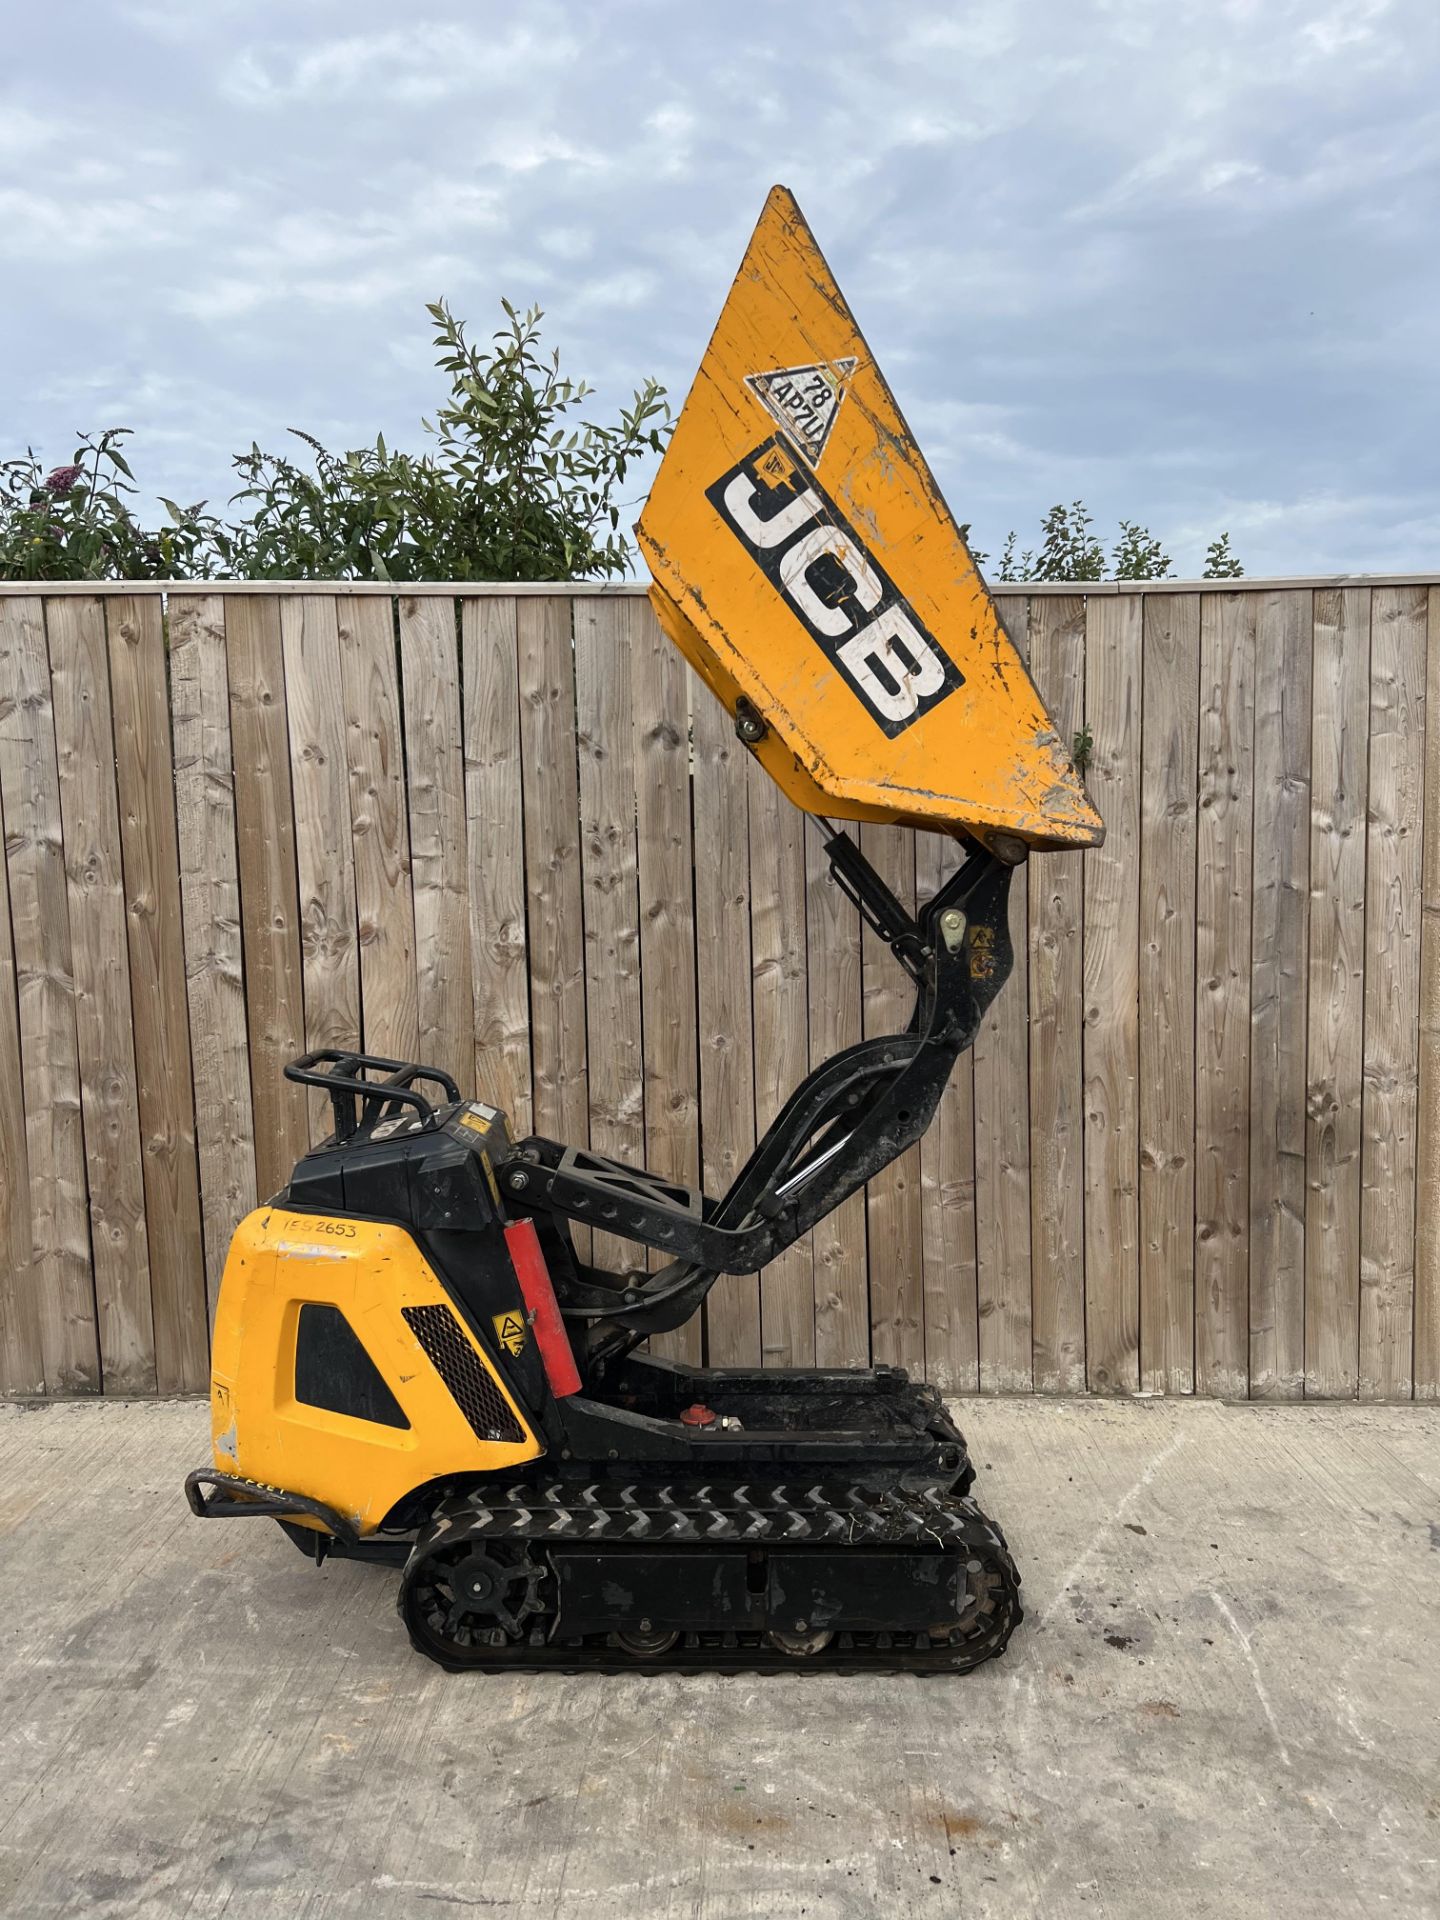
pixel 847 1120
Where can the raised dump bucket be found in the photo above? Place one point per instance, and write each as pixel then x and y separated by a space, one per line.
pixel 806 565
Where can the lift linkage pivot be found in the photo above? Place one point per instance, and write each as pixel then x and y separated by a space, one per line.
pixel 848 1119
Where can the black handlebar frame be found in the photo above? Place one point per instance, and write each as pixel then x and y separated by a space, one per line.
pixel 358 1104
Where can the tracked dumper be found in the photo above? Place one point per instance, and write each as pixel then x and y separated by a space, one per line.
pixel 412 1362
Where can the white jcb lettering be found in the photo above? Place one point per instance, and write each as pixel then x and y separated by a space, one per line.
pixel 780 526
pixel 910 667
pixel 838 591
pixel 797 561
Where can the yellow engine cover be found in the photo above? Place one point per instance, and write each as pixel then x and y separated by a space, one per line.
pixel 804 559
pixel 280 1262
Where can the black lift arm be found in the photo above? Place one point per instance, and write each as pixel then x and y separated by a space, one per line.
pixel 849 1118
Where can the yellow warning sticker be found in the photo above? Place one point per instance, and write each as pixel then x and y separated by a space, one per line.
pixel 510 1331
pixel 474 1123
pixel 982 952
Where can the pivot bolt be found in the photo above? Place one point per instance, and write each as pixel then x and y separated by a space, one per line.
pixel 519 1180
pixel 952 927
pixel 1008 848
pixel 749 726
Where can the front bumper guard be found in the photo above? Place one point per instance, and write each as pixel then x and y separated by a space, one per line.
pixel 231 1498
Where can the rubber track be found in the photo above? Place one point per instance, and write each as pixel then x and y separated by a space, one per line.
pixel 818 1514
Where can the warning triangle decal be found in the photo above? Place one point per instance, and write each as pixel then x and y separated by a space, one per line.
pixel 804 401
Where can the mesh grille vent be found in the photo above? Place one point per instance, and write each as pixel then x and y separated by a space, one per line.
pixel 458 1365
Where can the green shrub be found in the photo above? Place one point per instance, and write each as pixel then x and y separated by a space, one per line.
pixel 1070 549
pixel 517 485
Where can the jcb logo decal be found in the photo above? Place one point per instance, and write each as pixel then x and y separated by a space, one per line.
pixel 847 602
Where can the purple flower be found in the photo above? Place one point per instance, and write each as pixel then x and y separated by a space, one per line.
pixel 62 479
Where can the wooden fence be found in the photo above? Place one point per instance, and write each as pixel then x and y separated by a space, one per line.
pixel 1195 1148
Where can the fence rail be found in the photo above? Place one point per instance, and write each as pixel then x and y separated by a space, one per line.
pixel 1196 1147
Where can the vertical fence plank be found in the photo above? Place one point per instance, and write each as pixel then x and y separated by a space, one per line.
pixel 375 763
pixel 1002 1136
pixel 1393 881
pixel 269 900
pixel 90 821
pixel 1427 1169
pixel 665 872
pixel 494 824
pixel 1057 1140
pixel 722 967
pixel 210 908
pixel 1337 988
pixel 947 1188
pixel 55 1147
pixel 605 733
pixel 1171 676
pixel 1222 1004
pixel 552 873
pixel 324 861
pixel 1279 938
pixel 832 930
pixel 782 1040
pixel 1111 943
pixel 145 785
pixel 22 1359
pixel 22 1355
pixel 430 662
pixel 892 1197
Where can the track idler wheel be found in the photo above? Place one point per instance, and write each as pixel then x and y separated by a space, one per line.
pixel 461 1600
pixel 647 1644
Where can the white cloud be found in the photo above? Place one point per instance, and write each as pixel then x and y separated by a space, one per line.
pixel 1342 30
pixel 419 64
pixel 25 135
pixel 50 226
pixel 617 290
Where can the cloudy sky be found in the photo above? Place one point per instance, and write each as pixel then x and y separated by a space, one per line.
pixel 1176 257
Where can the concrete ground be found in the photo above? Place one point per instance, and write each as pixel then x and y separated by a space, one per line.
pixel 1225 1700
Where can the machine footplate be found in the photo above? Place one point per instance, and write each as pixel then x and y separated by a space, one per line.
pixel 710 1578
